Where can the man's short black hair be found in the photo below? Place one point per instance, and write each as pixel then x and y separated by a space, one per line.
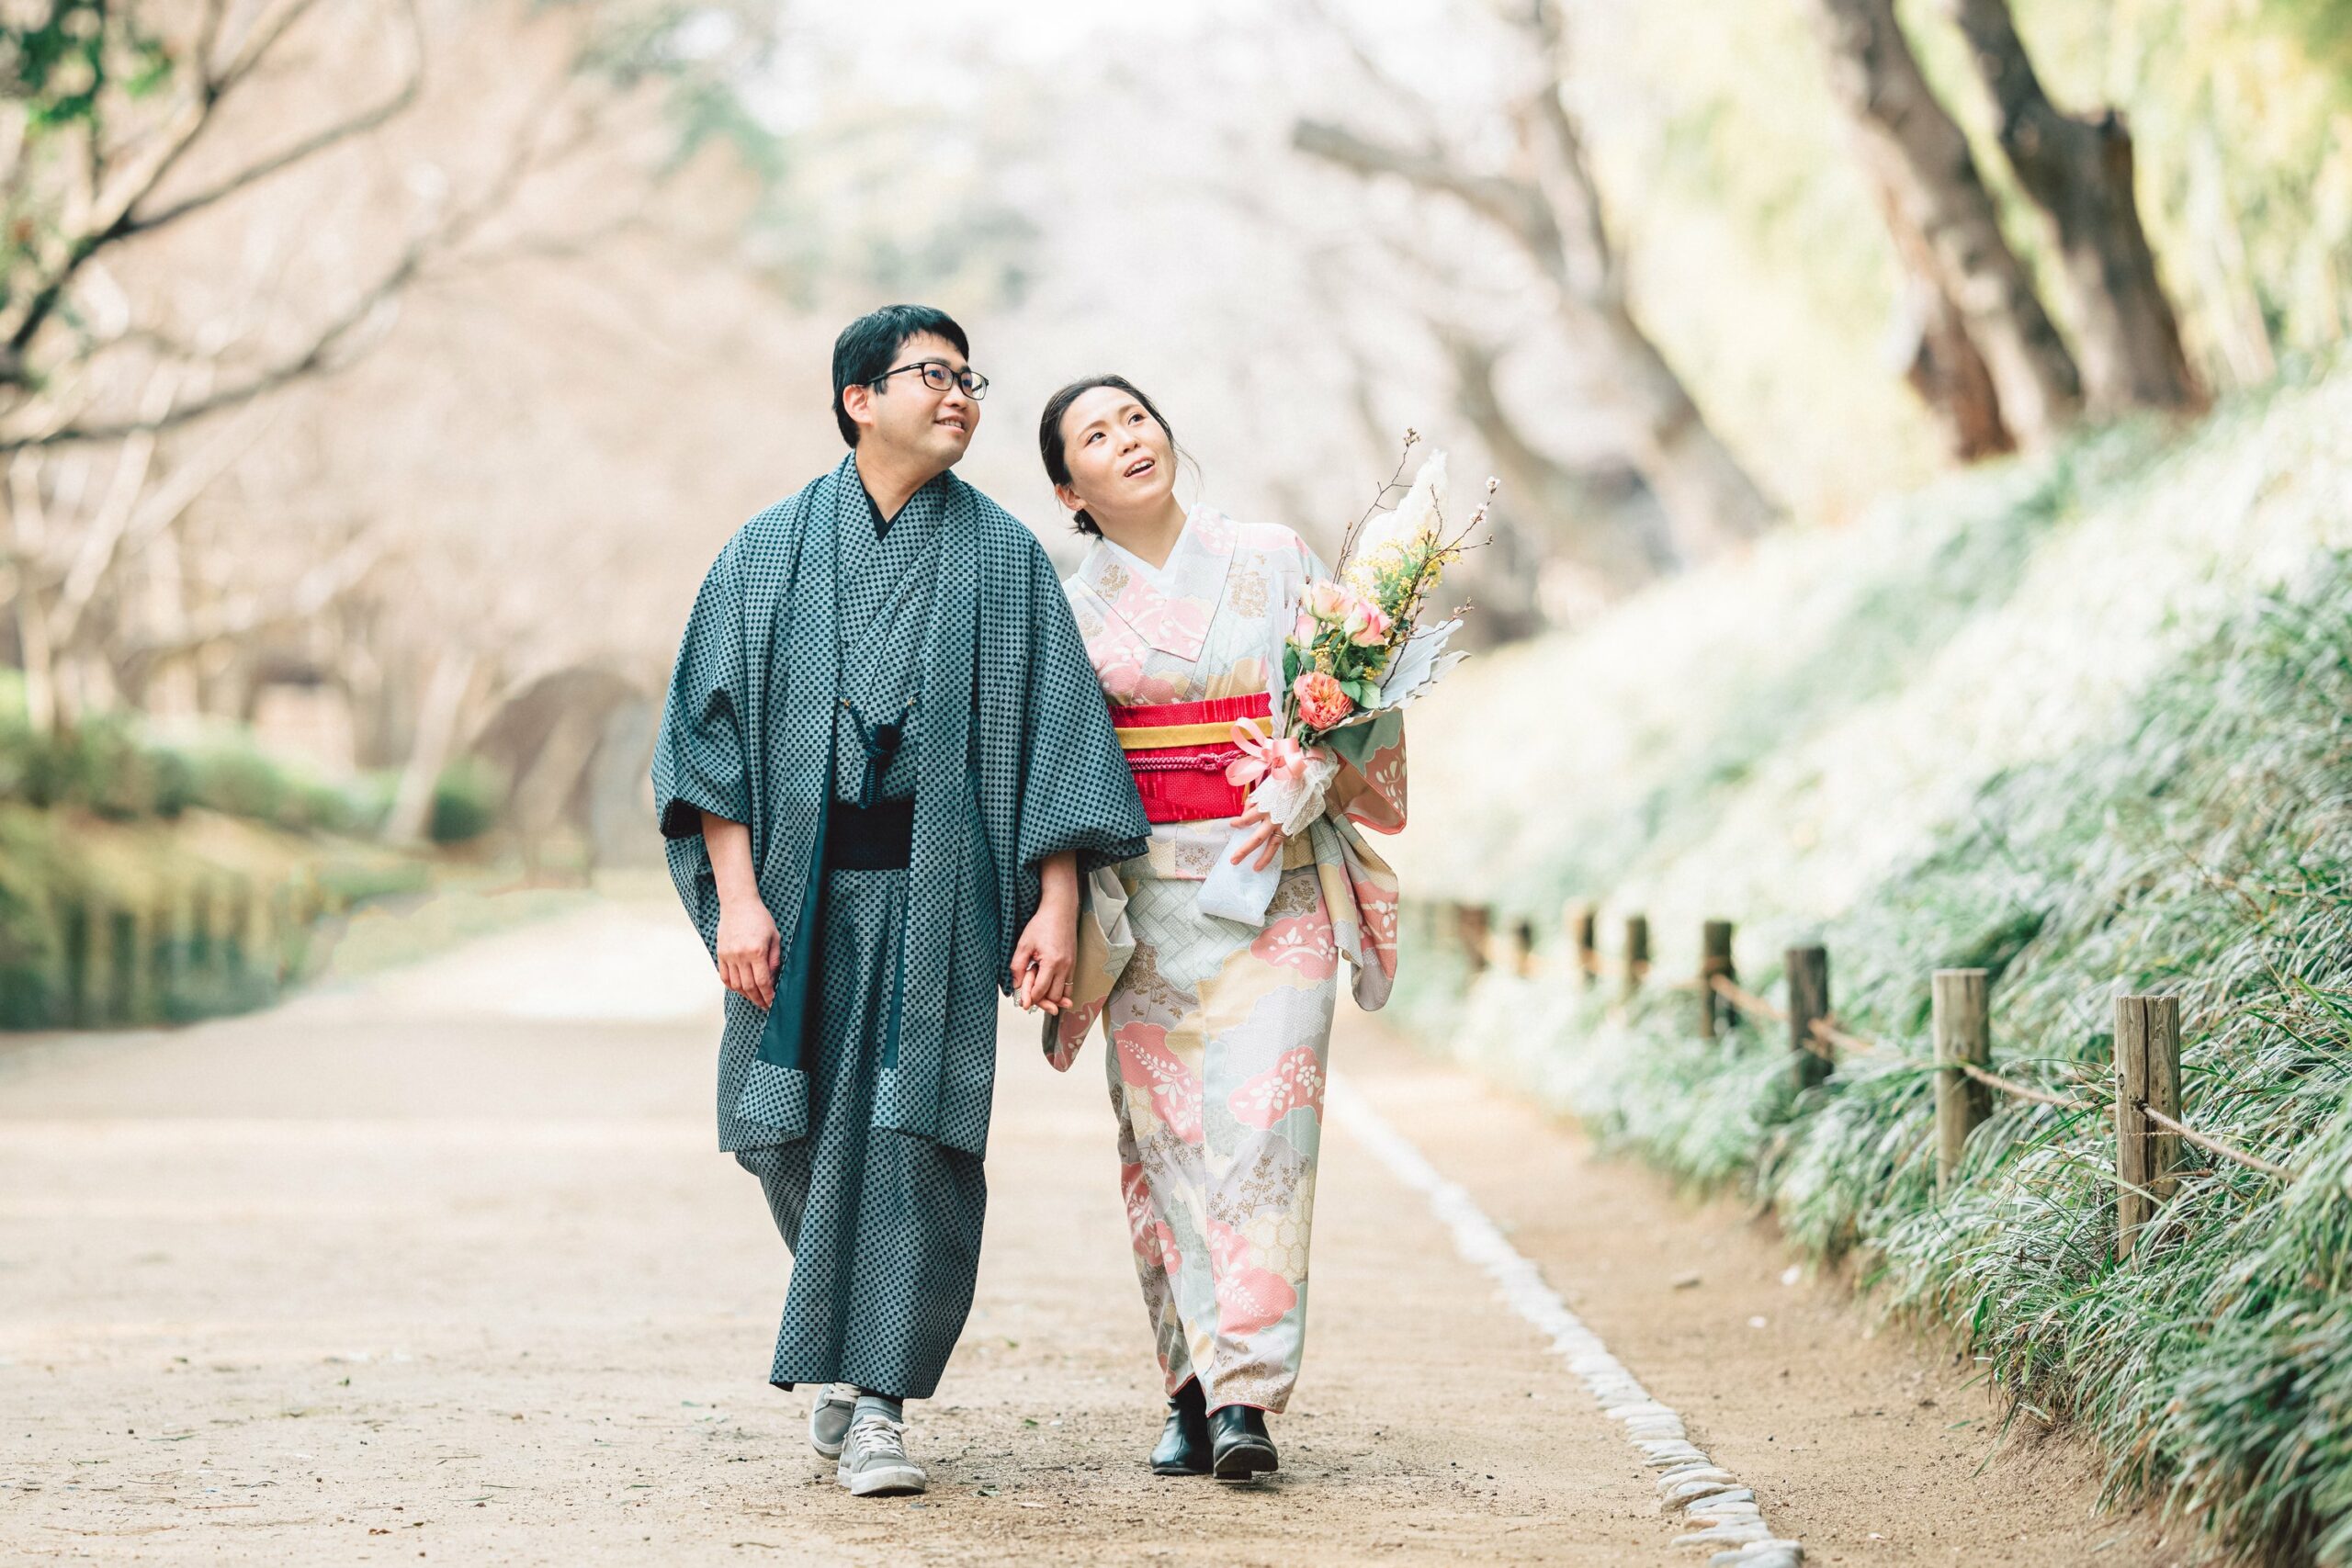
pixel 869 343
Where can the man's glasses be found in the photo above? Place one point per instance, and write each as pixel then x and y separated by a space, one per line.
pixel 939 377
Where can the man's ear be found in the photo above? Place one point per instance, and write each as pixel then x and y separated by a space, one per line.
pixel 857 402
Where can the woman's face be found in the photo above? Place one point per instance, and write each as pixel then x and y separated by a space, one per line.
pixel 1120 458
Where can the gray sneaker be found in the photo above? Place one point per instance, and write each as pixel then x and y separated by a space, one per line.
pixel 828 1420
pixel 874 1458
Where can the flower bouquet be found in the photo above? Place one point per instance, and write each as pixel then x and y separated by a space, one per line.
pixel 1356 651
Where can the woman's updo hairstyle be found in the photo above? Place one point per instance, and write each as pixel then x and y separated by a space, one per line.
pixel 1049 433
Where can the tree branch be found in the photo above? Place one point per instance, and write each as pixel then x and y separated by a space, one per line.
pixel 1512 203
pixel 44 298
pixel 314 591
pixel 315 357
pixel 134 222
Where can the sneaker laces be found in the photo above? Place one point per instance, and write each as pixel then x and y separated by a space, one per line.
pixel 875 1435
pixel 836 1393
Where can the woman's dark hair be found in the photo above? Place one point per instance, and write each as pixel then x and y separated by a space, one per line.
pixel 1049 432
pixel 867 345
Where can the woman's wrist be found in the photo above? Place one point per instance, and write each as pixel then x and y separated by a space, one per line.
pixel 1057 884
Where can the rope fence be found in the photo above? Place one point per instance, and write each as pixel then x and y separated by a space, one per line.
pixel 2214 1146
pixel 2147 1098
pixel 2023 1091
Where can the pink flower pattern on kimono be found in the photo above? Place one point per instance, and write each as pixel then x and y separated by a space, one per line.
pixel 1379 907
pixel 1303 943
pixel 1070 1032
pixel 1119 657
pixel 1292 1083
pixel 1146 1063
pixel 1163 620
pixel 1250 1299
pixel 1381 807
pixel 1151 1235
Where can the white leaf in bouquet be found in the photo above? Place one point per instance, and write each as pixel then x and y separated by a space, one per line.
pixel 1389 533
pixel 1418 664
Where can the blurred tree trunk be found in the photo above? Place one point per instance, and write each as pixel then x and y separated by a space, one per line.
pixel 1706 492
pixel 2079 171
pixel 1551 210
pixel 1920 158
pixel 1609 534
pixel 1940 360
pixel 437 731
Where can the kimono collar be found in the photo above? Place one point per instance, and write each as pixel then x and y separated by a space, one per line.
pixel 1171 607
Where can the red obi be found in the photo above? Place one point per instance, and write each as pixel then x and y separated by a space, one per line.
pixel 1179 752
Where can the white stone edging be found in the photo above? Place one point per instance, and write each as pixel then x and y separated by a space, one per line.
pixel 1710 1499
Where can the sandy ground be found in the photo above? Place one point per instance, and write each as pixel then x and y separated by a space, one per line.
pixel 445 1266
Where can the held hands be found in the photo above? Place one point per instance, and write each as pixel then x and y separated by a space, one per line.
pixel 1045 959
pixel 749 951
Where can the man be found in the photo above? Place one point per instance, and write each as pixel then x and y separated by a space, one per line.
pixel 882 731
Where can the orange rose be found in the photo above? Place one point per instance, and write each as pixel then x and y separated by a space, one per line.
pixel 1321 703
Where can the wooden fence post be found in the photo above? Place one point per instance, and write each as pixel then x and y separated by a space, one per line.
pixel 1637 953
pixel 2147 1073
pixel 129 965
pixel 1716 1012
pixel 1587 923
pixel 1471 924
pixel 76 923
pixel 1808 1000
pixel 239 923
pixel 1963 1027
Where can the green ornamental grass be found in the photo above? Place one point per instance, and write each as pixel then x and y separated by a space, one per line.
pixel 2085 721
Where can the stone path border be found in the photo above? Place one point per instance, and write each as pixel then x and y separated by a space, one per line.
pixel 1707 1496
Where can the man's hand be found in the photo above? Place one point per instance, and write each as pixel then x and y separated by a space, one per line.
pixel 1265 842
pixel 749 949
pixel 1045 959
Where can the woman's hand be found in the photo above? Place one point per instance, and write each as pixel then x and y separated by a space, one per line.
pixel 749 949
pixel 1044 958
pixel 1265 842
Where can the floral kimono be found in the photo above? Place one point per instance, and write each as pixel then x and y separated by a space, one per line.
pixel 1219 1034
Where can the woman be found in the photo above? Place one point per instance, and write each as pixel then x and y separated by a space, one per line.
pixel 1219 1034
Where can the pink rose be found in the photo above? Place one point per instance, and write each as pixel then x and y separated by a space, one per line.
pixel 1367 624
pixel 1329 601
pixel 1303 630
pixel 1321 703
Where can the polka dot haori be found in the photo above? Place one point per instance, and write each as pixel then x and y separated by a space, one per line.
pixel 861 1097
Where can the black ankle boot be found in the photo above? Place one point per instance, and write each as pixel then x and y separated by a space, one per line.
pixel 1238 1442
pixel 1183 1448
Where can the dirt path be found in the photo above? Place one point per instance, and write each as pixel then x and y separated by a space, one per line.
pixel 445 1267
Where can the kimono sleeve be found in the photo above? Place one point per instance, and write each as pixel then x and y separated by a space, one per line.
pixel 1077 792
pixel 702 756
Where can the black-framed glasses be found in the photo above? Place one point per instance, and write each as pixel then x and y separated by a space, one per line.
pixel 939 377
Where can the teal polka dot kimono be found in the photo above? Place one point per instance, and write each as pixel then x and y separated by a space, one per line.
pixel 937 665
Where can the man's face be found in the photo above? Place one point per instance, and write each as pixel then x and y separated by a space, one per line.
pixel 903 415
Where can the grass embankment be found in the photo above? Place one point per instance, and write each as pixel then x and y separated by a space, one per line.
pixel 146 881
pixel 2085 721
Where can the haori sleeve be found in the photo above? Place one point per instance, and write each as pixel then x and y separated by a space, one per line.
pixel 702 755
pixel 1077 792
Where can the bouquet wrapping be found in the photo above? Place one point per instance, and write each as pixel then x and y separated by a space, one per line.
pixel 1357 648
